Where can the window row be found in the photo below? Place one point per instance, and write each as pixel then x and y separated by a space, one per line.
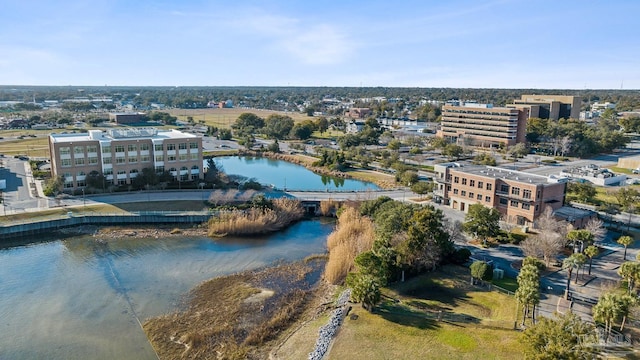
pixel 472 183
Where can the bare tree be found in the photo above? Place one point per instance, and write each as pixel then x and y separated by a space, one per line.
pixel 454 229
pixel 556 145
pixel 549 240
pixel 596 227
pixel 565 145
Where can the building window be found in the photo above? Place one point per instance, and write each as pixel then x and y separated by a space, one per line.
pixel 132 147
pixel 119 148
pixel 78 150
pixel 157 147
pixel 194 156
pixel 504 188
pixel 536 207
pixel 503 201
pixel 193 145
pixel 79 161
pixel 65 162
pixel 489 187
pixel 515 191
pixel 182 146
pixel 455 191
pixel 472 183
pixel 479 198
pixel 133 173
pixel 106 149
pixel 526 194
pixel 464 181
pixel 133 159
pixel 171 147
pixel 160 157
pixel 119 159
pixel 480 184
pixel 448 187
pixel 463 193
pixel 65 150
pixel 526 206
pixel 456 179
pixel 171 158
pixel 93 160
pixel 92 149
pixel 144 147
pixel 183 157
pixel 145 158
pixel 106 160
pixel 108 171
pixel 487 198
pixel 471 195
pixel 159 169
pixel 538 194
pixel 514 203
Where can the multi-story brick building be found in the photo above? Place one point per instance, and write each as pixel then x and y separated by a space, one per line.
pixel 552 107
pixel 520 197
pixel 121 154
pixel 483 125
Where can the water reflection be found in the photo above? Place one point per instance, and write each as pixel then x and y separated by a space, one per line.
pixel 78 298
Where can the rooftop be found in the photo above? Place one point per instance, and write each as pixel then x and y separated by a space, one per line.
pixel 507 174
pixel 120 134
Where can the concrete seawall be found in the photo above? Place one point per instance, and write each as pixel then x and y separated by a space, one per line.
pixel 45 226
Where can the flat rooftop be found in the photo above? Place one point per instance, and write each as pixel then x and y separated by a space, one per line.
pixel 502 173
pixel 121 134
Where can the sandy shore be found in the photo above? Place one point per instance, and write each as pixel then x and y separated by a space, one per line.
pixel 136 232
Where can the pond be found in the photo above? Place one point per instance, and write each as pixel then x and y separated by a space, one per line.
pixel 285 175
pixel 78 298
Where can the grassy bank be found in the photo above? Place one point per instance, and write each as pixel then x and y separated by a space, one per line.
pixel 236 317
pixel 475 324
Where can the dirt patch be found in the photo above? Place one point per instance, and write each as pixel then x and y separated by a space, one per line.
pixel 239 316
pixel 139 231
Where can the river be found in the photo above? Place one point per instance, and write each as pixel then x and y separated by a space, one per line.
pixel 76 298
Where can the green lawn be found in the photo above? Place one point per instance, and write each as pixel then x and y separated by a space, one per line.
pixel 476 324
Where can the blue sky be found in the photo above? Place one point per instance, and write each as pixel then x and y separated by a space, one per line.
pixel 560 44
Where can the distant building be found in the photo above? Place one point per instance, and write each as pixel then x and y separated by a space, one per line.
pixel 358 113
pixel 121 154
pixel 482 124
pixel 354 126
pixel 595 175
pixel 552 107
pixel 126 118
pixel 520 197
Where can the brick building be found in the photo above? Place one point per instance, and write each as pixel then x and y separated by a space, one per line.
pixel 520 197
pixel 552 107
pixel 121 154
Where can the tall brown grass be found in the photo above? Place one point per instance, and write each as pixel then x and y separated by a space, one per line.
pixel 329 207
pixel 256 221
pixel 353 235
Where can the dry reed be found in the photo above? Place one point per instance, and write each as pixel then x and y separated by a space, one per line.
pixel 329 207
pixel 256 221
pixel 353 236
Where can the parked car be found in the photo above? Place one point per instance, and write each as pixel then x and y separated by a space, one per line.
pixel 636 171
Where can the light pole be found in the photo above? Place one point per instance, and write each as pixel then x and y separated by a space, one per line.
pixel 84 200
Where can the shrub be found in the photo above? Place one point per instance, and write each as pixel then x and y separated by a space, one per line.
pixel 460 256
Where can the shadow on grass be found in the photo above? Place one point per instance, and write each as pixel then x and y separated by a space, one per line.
pixel 404 315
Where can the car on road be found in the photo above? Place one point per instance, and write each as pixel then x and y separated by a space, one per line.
pixel 636 171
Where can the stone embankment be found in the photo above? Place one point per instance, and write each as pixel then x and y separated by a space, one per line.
pixel 328 331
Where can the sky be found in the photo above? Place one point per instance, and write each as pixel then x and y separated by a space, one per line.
pixel 537 44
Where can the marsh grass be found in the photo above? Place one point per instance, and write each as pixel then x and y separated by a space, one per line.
pixel 353 235
pixel 255 220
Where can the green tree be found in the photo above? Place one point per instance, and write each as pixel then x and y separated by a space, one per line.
pixel 409 177
pixel 518 150
pixel 274 146
pixel 453 151
pixel 607 311
pixel 480 270
pixel 322 124
pixel 630 124
pixel 528 292
pixel 394 145
pixel 426 241
pixel 584 192
pixel 628 199
pixel 303 130
pixel 277 126
pixel 630 271
pixel 591 251
pixel 482 222
pixel 53 186
pixel 581 236
pixel 571 263
pixel 365 289
pixel 563 337
pixel 96 180
pixel 422 187
pixel 625 241
pixel 247 124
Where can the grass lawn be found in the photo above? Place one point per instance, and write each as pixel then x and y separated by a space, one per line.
pixel 381 179
pixel 507 283
pixel 224 118
pixel 476 324
pixel 36 147
pixel 616 169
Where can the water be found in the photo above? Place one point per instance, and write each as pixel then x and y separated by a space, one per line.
pixel 283 174
pixel 78 299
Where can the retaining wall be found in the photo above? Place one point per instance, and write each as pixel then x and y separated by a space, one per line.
pixel 34 228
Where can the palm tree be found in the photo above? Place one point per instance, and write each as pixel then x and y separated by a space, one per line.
pixel 625 241
pixel 630 271
pixel 590 252
pixel 581 259
pixel 570 263
pixel 606 311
